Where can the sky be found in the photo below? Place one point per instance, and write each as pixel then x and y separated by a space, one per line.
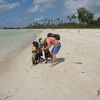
pixel 14 13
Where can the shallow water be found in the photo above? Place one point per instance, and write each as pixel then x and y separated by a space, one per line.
pixel 12 41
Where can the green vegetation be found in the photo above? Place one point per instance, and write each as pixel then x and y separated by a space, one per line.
pixel 84 19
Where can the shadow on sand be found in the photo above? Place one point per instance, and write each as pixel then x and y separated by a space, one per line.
pixel 60 60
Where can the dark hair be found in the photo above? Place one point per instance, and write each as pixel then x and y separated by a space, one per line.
pixel 35 44
pixel 40 39
pixel 49 34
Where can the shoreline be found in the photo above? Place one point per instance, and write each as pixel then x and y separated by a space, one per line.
pixel 18 51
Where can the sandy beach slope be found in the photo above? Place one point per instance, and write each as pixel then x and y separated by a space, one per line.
pixel 75 77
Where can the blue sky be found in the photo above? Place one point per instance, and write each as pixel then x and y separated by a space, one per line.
pixel 22 12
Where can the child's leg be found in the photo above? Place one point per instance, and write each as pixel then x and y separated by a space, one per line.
pixel 37 59
pixel 46 57
pixel 41 58
pixel 33 59
pixel 46 60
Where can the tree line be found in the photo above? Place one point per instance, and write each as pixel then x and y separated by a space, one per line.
pixel 83 19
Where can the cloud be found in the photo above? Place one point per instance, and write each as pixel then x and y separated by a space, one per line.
pixel 37 8
pixel 71 6
pixel 38 19
pixel 41 6
pixel 4 6
pixel 94 6
pixel 1 1
pixel 24 1
pixel 43 1
pixel 13 5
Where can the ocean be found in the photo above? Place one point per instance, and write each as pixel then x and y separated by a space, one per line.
pixel 13 41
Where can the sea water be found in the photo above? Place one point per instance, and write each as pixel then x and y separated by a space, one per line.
pixel 12 41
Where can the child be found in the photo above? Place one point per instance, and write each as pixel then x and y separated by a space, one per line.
pixel 47 52
pixel 35 52
pixel 41 43
pixel 40 49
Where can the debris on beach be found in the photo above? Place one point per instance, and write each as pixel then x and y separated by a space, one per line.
pixel 82 53
pixel 98 92
pixel 82 72
pixel 68 53
pixel 78 62
pixel 6 98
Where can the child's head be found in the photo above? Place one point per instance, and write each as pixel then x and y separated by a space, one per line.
pixel 35 44
pixel 40 39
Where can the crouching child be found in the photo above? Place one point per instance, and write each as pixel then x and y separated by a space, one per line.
pixel 35 53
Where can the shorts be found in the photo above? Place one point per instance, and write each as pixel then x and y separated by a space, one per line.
pixel 56 48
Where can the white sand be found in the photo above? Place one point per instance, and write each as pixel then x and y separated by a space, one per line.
pixel 75 77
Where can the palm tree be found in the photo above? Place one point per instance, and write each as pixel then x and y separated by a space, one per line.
pixel 74 17
pixel 48 21
pixel 58 20
pixel 84 16
pixel 70 18
pixel 98 20
pixel 44 22
pixel 51 20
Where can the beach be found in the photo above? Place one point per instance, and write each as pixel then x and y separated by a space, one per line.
pixel 74 77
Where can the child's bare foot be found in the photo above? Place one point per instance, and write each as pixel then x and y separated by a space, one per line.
pixel 46 62
pixel 52 65
pixel 51 61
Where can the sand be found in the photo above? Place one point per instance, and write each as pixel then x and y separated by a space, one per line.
pixel 76 76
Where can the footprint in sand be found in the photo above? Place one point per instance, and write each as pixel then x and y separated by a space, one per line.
pixel 78 62
pixel 98 59
pixel 83 72
pixel 68 53
pixel 82 53
pixel 98 92
pixel 7 97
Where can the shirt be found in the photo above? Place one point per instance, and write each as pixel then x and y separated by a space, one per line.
pixel 34 50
